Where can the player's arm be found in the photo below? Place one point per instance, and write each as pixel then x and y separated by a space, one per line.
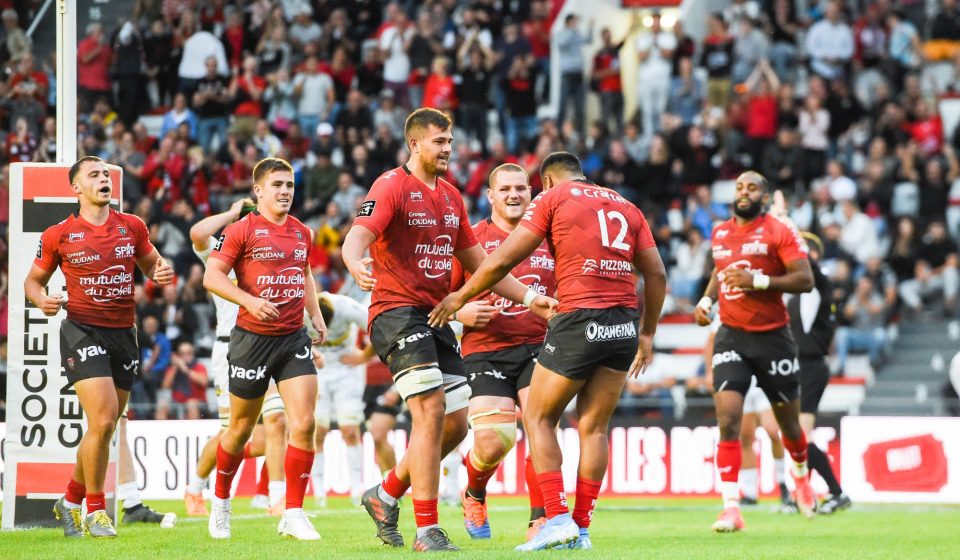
pixel 798 278
pixel 313 307
pixel 650 266
pixel 202 231
pixel 355 246
pixel 215 280
pixel 701 313
pixel 34 287
pixel 155 267
pixel 359 357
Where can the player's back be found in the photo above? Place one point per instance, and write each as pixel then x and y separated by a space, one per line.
pixel 594 235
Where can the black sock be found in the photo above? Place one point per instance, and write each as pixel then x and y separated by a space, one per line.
pixel 819 462
pixel 480 498
pixel 537 513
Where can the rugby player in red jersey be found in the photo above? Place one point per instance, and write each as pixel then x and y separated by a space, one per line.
pixel 414 224
pixel 757 257
pixel 500 344
pixel 268 249
pixel 597 238
pixel 97 249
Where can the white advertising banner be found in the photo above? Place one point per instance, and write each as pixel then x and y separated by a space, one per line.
pixel 44 419
pixel 900 459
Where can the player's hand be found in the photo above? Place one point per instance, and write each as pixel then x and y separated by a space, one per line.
pixel 238 205
pixel 737 278
pixel 444 310
pixel 701 316
pixel 263 310
pixel 390 398
pixel 353 359
pixel 50 305
pixel 318 360
pixel 320 327
pixel 644 356
pixel 544 307
pixel 362 274
pixel 163 272
pixel 477 314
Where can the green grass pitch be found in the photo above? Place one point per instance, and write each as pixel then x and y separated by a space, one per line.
pixel 623 529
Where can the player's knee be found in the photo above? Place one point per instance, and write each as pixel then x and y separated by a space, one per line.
pixel 494 432
pixel 729 424
pixel 102 426
pixel 350 434
pixel 301 426
pixel 488 448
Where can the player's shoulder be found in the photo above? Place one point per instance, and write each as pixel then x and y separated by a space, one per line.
pixel 58 228
pixel 392 178
pixel 481 227
pixel 131 220
pixel 723 228
pixel 295 223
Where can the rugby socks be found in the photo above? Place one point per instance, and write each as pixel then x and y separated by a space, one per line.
pixel 392 488
pixel 354 465
pixel 197 484
pixel 263 483
pixel 227 467
pixel 96 502
pixel 247 453
pixel 477 478
pixel 425 512
pixel 76 491
pixel 779 471
pixel 297 465
pixel 728 460
pixel 748 483
pixel 797 448
pixel 129 494
pixel 276 490
pixel 316 474
pixel 554 497
pixel 587 493
pixel 533 491
pixel 821 463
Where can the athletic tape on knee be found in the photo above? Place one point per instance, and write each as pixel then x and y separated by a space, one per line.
pixel 272 404
pixel 350 416
pixel 418 380
pixel 458 398
pixel 501 422
pixel 224 417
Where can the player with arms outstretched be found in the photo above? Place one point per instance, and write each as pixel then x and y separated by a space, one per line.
pixel 757 257
pixel 597 238
pixel 500 344
pixel 414 224
pixel 269 250
pixel 97 249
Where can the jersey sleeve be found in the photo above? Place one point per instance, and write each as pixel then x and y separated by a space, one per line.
pixel 539 213
pixel 466 237
pixel 230 245
pixel 790 247
pixel 644 238
pixel 204 254
pixel 351 310
pixel 144 246
pixel 48 251
pixel 379 207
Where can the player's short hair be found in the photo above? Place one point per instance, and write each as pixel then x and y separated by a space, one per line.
pixel 268 165
pixel 326 309
pixel 75 168
pixel 506 168
pixel 423 118
pixel 761 180
pixel 561 161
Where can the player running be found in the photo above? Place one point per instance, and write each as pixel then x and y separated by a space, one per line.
pixel 757 257
pixel 813 323
pixel 597 238
pixel 500 342
pixel 269 250
pixel 269 438
pixel 97 249
pixel 414 224
pixel 340 389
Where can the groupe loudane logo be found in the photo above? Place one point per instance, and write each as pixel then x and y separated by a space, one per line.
pixel 596 332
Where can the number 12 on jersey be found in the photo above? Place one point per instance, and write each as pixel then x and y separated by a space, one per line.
pixel 613 216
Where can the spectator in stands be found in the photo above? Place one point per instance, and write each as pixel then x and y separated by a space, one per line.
pixel 315 91
pixel 210 103
pixel 94 56
pixel 394 43
pixel 184 384
pixel 605 80
pixel 717 58
pixel 687 93
pixel 476 63
pixel 829 43
pixel 750 47
pixel 655 50
pixel 687 275
pixel 935 271
pixel 246 91
pixel 814 126
pixel 654 388
pixel 904 48
pixel 761 118
pixel 159 65
pixel 838 186
pixel 858 235
pixel 21 144
pixel 425 45
pixel 16 42
pixel 782 27
pixel 439 88
pixel 302 31
pixel 179 113
pixel 320 182
pixel 281 99
pixel 781 160
pixel 944 43
pixel 347 194
pixel 266 142
pixel 196 49
pixel 273 52
pixel 154 361
pixel 570 43
pixel 521 103
pixel 866 314
pixel 620 172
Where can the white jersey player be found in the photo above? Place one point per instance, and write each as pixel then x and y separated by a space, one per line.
pixel 340 389
pixel 271 439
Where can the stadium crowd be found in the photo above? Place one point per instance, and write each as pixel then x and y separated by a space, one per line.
pixel 837 103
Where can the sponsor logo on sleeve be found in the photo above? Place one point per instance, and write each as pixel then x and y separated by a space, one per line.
pixel 219 244
pixel 366 209
pixel 40 249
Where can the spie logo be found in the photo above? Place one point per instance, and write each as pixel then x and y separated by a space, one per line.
pixel 123 251
pixel 589 266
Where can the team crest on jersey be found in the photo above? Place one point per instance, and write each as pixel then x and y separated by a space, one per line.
pixel 299 234
pixel 76 236
pixel 71 362
pixel 575 191
pixel 121 229
pixel 366 209
pixel 721 234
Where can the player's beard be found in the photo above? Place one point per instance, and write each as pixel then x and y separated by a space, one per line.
pixel 750 212
pixel 433 167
